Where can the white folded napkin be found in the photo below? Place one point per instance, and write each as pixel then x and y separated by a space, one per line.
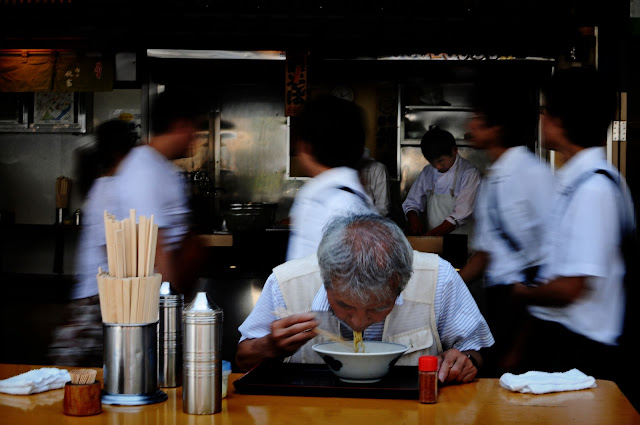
pixel 547 382
pixel 35 381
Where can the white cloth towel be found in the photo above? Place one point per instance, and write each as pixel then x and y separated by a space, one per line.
pixel 546 382
pixel 35 381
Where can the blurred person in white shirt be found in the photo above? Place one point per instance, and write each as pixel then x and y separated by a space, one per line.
pixel 512 208
pixel 78 341
pixel 331 142
pixel 375 180
pixel 149 182
pixel 578 314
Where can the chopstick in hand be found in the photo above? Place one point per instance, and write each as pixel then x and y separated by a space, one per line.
pixel 281 313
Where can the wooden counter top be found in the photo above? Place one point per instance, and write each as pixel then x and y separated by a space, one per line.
pixel 217 240
pixel 480 402
pixel 426 243
pixel 419 243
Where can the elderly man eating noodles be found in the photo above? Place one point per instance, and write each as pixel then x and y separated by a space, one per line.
pixel 367 277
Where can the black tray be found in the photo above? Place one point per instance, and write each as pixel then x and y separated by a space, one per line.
pixel 318 381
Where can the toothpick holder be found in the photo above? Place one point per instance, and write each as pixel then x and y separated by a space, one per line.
pixel 82 399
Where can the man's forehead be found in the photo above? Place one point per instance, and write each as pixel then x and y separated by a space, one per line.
pixel 346 299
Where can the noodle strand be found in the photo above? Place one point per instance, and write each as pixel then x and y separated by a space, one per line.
pixel 358 342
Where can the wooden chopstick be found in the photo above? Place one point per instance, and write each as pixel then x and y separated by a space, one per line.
pixel 142 246
pixel 133 243
pixel 333 337
pixel 151 248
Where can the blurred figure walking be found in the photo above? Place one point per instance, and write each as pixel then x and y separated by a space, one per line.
pixel 78 342
pixel 331 144
pixel 578 314
pixel 512 210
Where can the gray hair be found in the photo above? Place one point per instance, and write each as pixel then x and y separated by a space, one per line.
pixel 366 258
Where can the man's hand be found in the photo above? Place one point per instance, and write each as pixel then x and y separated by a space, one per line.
pixel 454 365
pixel 292 332
pixel 286 337
pixel 443 229
pixel 415 225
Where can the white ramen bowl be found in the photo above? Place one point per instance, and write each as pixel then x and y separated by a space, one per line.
pixel 370 366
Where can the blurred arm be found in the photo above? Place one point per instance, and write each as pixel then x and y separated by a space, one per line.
pixel 415 225
pixel 475 267
pixel 444 228
pixel 557 293
pixel 417 197
pixel 180 266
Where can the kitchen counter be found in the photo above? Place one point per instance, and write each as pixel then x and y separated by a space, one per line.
pixel 216 239
pixel 482 401
pixel 452 248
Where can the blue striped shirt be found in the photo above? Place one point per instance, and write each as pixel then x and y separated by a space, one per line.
pixel 460 324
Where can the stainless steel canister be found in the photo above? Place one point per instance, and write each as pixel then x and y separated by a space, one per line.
pixel 202 372
pixel 170 337
pixel 130 364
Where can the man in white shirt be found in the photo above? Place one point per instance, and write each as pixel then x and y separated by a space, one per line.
pixel 149 182
pixel 330 145
pixel 512 209
pixel 444 191
pixel 368 279
pixel 578 313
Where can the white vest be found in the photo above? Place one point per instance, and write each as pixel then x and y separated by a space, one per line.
pixel 413 323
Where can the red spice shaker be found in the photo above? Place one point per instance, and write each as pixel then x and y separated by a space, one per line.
pixel 428 379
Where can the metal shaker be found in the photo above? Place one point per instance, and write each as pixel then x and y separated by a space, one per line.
pixel 170 337
pixel 202 368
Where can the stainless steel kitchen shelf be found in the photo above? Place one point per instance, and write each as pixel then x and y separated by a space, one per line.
pixel 416 142
pixel 438 108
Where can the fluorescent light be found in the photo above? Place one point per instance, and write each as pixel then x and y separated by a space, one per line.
pixel 217 54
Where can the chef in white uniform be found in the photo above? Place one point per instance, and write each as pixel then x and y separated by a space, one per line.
pixel 444 193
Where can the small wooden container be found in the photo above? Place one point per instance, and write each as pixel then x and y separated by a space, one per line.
pixel 82 399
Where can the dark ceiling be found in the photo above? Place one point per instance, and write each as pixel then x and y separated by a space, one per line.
pixel 337 27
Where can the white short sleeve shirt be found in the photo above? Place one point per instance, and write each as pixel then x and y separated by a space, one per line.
pixel 516 194
pixel 584 240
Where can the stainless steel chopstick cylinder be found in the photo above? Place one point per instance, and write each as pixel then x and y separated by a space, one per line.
pixel 130 364
pixel 202 371
pixel 170 337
